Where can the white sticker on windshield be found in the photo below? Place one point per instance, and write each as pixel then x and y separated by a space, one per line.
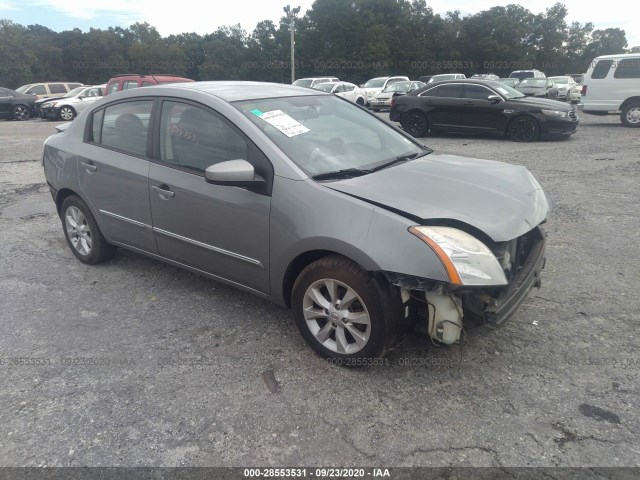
pixel 283 122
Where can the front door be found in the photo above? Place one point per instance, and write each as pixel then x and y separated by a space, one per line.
pixel 221 230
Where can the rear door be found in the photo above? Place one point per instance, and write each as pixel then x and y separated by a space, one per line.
pixel 220 230
pixel 114 173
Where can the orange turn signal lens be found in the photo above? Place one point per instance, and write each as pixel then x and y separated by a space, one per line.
pixel 454 277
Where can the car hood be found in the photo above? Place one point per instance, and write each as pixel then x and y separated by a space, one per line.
pixel 502 200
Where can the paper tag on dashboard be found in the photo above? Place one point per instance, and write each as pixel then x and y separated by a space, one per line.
pixel 283 122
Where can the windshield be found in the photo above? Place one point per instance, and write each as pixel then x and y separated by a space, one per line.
pixel 398 87
pixel 533 82
pixel 507 92
pixel 323 134
pixel 325 87
pixel 303 82
pixel 74 92
pixel 375 83
pixel 22 89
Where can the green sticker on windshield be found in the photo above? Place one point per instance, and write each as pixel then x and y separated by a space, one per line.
pixel 256 112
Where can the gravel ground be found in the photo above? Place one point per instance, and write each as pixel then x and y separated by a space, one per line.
pixel 136 363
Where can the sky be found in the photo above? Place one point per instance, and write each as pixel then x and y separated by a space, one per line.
pixel 196 16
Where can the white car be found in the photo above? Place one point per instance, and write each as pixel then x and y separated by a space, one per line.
pixel 447 76
pixel 313 81
pixel 347 90
pixel 612 85
pixel 69 106
pixel 568 89
pixel 378 84
pixel 383 99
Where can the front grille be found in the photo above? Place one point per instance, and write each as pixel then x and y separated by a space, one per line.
pixel 573 115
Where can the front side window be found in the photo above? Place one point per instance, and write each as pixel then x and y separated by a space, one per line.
pixel 37 90
pixel 194 138
pixel 125 126
pixel 601 69
pixel 323 134
pixel 57 88
pixel 628 68
pixel 477 92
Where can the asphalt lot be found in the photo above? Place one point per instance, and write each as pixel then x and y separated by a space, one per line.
pixel 137 363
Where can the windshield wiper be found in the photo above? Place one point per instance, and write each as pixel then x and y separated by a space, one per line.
pixel 402 159
pixel 344 173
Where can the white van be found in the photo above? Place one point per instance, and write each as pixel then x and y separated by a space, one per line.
pixel 612 85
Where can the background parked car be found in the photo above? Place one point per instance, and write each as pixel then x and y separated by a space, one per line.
pixel 129 80
pixel 512 82
pixel 15 105
pixel 577 77
pixel 612 85
pixel 482 106
pixel 446 76
pixel 48 89
pixel 522 74
pixel 424 78
pixel 347 90
pixel 383 99
pixel 486 76
pixel 568 89
pixel 378 84
pixel 538 87
pixel 77 100
pixel 313 81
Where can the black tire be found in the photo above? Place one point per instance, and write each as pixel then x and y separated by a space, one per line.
pixel 523 129
pixel 630 115
pixel 66 113
pixel 415 124
pixel 20 112
pixel 100 250
pixel 360 101
pixel 348 273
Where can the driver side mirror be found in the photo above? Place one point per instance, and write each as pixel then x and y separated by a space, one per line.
pixel 233 173
pixel 494 98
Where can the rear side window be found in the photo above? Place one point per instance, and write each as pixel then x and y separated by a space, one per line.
pixel 450 91
pixel 601 69
pixel 57 88
pixel 628 68
pixel 125 127
pixel 96 126
pixel 74 85
pixel 130 84
pixel 37 90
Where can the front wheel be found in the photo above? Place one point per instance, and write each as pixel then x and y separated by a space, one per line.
pixel 338 311
pixel 415 124
pixel 523 129
pixel 630 115
pixel 20 112
pixel 67 113
pixel 82 232
pixel 360 101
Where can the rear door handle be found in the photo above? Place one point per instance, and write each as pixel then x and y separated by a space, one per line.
pixel 163 190
pixel 89 166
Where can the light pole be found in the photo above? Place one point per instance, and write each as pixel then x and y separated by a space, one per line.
pixel 291 15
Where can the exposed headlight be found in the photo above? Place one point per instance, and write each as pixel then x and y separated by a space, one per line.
pixel 466 259
pixel 555 113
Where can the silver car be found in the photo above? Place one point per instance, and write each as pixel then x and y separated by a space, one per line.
pixel 306 199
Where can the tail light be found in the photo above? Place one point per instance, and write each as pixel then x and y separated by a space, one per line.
pixel 583 91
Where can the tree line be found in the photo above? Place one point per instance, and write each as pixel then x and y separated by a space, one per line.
pixel 352 39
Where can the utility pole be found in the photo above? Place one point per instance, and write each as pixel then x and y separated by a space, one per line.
pixel 291 15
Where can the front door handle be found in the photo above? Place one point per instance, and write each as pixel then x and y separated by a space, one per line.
pixel 163 191
pixel 89 166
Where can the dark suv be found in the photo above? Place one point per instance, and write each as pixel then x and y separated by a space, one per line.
pixel 133 80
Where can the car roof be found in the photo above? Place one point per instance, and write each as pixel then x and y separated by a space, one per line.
pixel 619 55
pixel 233 91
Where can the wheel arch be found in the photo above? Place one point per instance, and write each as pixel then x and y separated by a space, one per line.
pixel 629 101
pixel 520 115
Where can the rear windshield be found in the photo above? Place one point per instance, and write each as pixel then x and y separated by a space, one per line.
pixel 303 82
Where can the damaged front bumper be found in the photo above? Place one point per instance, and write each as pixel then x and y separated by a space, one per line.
pixel 479 305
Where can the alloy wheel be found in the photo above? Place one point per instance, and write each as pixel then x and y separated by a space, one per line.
pixel 633 115
pixel 523 130
pixel 20 112
pixel 78 230
pixel 66 113
pixel 336 316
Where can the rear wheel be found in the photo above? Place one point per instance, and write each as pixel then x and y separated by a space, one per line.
pixel 415 124
pixel 67 113
pixel 523 129
pixel 82 232
pixel 20 112
pixel 338 311
pixel 630 115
